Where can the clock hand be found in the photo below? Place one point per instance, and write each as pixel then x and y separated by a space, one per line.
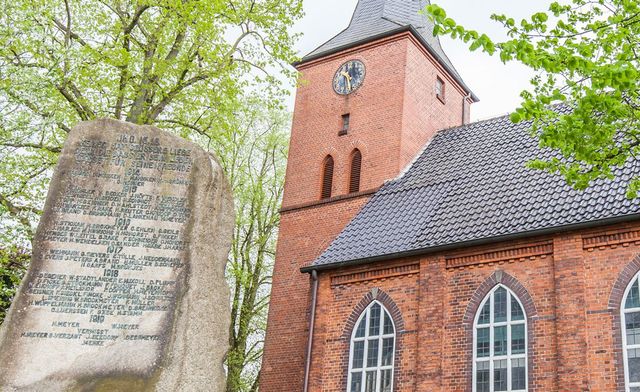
pixel 348 78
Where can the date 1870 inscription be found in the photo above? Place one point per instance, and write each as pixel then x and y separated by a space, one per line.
pixel 113 255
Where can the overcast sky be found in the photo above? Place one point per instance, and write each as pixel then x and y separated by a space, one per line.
pixel 497 85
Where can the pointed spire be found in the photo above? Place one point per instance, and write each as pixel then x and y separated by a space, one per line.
pixel 375 19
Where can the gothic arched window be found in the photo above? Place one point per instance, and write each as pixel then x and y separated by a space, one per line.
pixel 327 177
pixel 631 335
pixel 356 167
pixel 372 349
pixel 500 343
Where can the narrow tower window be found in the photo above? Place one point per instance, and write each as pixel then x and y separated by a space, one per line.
pixel 327 177
pixel 356 167
pixel 372 351
pixel 440 89
pixel 500 344
pixel 346 119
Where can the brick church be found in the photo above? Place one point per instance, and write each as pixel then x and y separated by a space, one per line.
pixel 418 253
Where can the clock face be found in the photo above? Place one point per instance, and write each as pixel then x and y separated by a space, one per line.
pixel 349 77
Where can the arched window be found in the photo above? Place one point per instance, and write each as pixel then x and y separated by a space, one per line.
pixel 372 351
pixel 500 343
pixel 631 335
pixel 327 177
pixel 356 166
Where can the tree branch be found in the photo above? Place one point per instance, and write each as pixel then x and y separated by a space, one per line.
pixel 77 100
pixel 171 95
pixel 149 79
pixel 126 45
pixel 55 150
pixel 136 18
pixel 18 212
pixel 70 34
pixel 67 36
pixel 177 45
pixel 30 105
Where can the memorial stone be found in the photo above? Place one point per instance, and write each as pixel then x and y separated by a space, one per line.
pixel 126 288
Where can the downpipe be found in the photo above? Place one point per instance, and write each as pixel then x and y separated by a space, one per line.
pixel 314 298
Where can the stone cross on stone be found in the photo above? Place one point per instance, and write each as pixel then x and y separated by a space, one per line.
pixel 126 288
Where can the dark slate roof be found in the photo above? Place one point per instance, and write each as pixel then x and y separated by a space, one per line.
pixel 376 18
pixel 470 185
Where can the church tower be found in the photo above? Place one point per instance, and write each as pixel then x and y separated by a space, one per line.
pixel 369 100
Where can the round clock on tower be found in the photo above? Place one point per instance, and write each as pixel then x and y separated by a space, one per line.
pixel 349 77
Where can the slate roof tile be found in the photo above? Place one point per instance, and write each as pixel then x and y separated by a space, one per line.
pixel 471 183
pixel 372 18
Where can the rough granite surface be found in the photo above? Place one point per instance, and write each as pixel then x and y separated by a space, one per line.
pixel 126 288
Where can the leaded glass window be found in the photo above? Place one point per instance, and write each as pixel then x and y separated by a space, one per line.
pixel 631 335
pixel 500 344
pixel 372 351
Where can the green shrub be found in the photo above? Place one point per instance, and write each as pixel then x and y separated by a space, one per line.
pixel 13 265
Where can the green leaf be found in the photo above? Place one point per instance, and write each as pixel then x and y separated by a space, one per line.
pixel 540 17
pixel 515 117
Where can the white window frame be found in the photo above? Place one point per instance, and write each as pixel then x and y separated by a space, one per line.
pixel 491 325
pixel 623 328
pixel 379 368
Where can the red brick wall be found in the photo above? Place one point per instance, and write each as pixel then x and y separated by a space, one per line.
pixel 461 285
pixel 570 284
pixel 336 303
pixel 304 234
pixel 423 113
pixel 393 114
pixel 376 118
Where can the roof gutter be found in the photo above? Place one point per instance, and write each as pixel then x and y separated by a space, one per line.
pixel 416 34
pixel 466 244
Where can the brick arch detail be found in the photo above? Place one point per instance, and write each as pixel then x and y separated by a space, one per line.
pixel 503 278
pixel 625 277
pixel 360 145
pixel 500 278
pixel 320 158
pixel 375 294
pixel 330 150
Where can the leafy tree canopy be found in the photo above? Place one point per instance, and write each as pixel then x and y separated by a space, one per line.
pixel 212 71
pixel 585 54
pixel 254 158
pixel 182 65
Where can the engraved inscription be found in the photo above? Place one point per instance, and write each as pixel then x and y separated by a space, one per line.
pixel 115 252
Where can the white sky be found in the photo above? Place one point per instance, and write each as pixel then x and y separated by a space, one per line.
pixel 497 85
